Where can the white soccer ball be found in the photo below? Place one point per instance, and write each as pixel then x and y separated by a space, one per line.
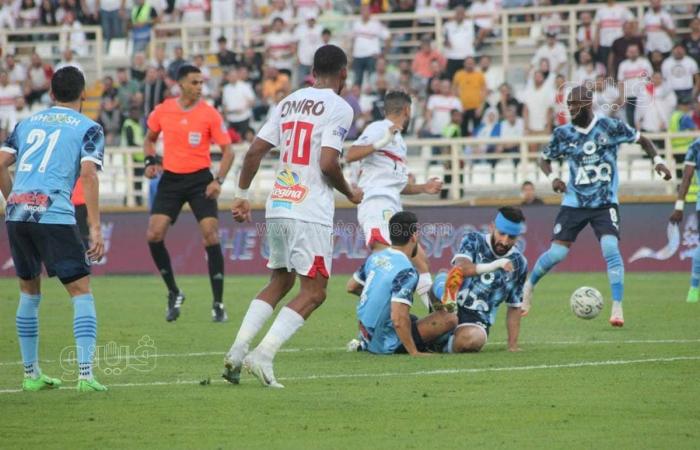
pixel 586 302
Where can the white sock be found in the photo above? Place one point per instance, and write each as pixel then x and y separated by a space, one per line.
pixel 258 313
pixel 616 309
pixel 425 282
pixel 32 370
pixel 283 328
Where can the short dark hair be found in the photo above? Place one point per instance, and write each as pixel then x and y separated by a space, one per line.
pixel 395 102
pixel 329 60
pixel 221 39
pixel 326 31
pixel 512 213
pixel 527 183
pixel 186 70
pixel 402 226
pixel 68 84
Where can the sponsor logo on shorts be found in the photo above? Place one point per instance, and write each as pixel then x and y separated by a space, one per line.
pixel 287 190
pixel 557 228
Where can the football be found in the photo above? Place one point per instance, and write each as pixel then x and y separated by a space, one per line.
pixel 586 302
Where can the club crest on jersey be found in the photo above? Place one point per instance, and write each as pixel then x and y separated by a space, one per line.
pixel 589 147
pixel 287 190
pixel 603 139
pixel 194 138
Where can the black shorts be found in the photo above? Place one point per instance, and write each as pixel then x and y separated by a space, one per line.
pixel 82 222
pixel 570 222
pixel 417 339
pixel 174 190
pixel 59 247
pixel 470 317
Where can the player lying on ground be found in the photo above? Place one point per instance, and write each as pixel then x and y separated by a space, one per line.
pixel 188 124
pixel 692 158
pixel 309 127
pixel 487 271
pixel 589 144
pixel 383 177
pixel 52 148
pixel 386 283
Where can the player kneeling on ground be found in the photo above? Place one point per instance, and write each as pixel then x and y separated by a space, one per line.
pixel 386 283
pixel 487 271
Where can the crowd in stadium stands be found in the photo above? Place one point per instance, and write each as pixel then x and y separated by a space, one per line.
pixel 642 71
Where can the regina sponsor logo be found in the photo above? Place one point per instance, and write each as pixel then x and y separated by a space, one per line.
pixel 287 190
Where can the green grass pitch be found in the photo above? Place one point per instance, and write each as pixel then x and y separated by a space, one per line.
pixel 576 384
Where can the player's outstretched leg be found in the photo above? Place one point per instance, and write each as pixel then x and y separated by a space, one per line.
pixel 259 311
pixel 694 292
pixel 311 295
pixel 157 228
pixel 616 276
pixel 215 263
pixel 27 320
pixel 425 280
pixel 547 260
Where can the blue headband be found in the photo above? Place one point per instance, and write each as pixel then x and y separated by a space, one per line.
pixel 509 227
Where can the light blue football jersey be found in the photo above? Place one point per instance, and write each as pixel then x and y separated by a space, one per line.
pixel 482 294
pixel 692 158
pixel 592 158
pixel 49 147
pixel 387 276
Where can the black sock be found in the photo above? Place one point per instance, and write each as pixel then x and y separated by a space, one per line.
pixel 215 259
pixel 162 259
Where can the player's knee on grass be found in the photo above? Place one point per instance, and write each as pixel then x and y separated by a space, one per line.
pixel 468 340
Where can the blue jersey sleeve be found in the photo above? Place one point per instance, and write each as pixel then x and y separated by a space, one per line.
pixel 11 144
pixel 515 298
pixel 621 133
pixel 93 145
pixel 554 150
pixel 469 248
pixel 360 274
pixel 403 286
pixel 691 156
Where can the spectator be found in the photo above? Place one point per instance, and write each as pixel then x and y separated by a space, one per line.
pixel 470 85
pixel 126 88
pixel 656 58
pixel 692 41
pixel 176 63
pixel 607 100
pixel 28 14
pixel 459 41
pixel 327 37
pixel 554 51
pixel 551 21
pixel 198 62
pixel 308 39
pixel 132 135
pixel 153 91
pixel 68 60
pixel 138 67
pixel 634 72
pixel 252 61
pixel 109 90
pixel 618 52
pixel 21 109
pixel 585 35
pixel 76 36
pixel 308 8
pixel 47 14
pixel 561 111
pixel 368 35
pixel 280 47
pixel 655 106
pixel 681 120
pixel 659 29
pixel 494 77
pixel 377 6
pixel 111 13
pixel 226 58
pixel 528 195
pixel 423 59
pixel 438 110
pixel 111 120
pixel 38 80
pixel 143 17
pixel 538 108
pixel 430 7
pixel 511 126
pixel 159 59
pixel 454 128
pixel 587 69
pixel 237 101
pixel 489 127
pixel 506 100
pixel 9 92
pixel 485 14
pixel 274 82
pixel 222 16
pixel 695 115
pixel 352 96
pixel 608 20
pixel 399 37
pixel 282 11
pixel 384 72
pixel 7 15
pixel 16 71
pixel 681 73
pixel 192 12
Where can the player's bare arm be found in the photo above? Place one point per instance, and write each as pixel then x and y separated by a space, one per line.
pixel 513 317
pixel 432 187
pixel 251 163
pixel 558 184
pixel 330 166
pixel 688 172
pixel 659 164
pixel 214 188
pixel 149 150
pixel 358 152
pixel 6 160
pixel 354 287
pixel 91 187
pixel 402 324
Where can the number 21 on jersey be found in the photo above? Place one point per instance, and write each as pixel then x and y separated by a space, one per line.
pixel 35 140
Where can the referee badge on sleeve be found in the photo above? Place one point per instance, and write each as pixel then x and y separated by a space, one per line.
pixel 194 138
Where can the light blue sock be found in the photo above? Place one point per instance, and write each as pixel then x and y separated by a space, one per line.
pixel 448 346
pixel 85 332
pixel 27 321
pixel 616 268
pixel 547 260
pixel 439 284
pixel 695 275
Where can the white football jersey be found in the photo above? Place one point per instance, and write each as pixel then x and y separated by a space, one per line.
pixel 300 126
pixel 383 172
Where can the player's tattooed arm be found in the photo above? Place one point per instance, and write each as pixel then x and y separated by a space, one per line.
pixel 659 164
pixel 688 172
pixel 330 166
pixel 558 184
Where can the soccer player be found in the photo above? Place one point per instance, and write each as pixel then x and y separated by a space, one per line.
pixel 309 127
pixel 692 159
pixel 589 145
pixel 386 283
pixel 52 149
pixel 381 151
pixel 188 125
pixel 487 271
